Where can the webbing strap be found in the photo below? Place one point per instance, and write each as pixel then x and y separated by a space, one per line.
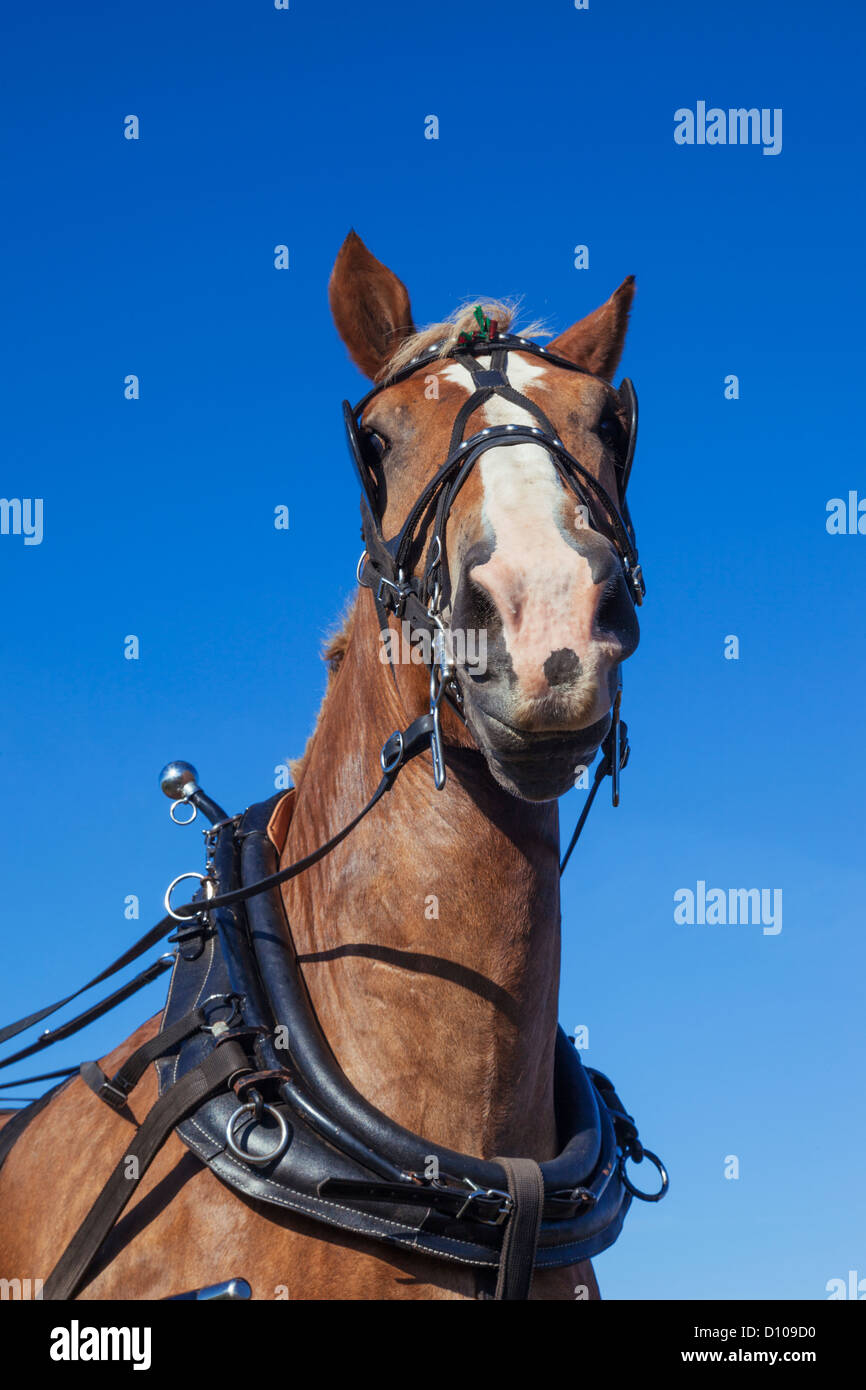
pixel 71 1269
pixel 517 1261
pixel 116 1090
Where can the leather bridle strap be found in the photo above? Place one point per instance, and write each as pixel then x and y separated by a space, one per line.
pixel 603 770
pixel 517 1261
pixel 391 562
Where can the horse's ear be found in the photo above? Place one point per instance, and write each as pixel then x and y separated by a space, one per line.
pixel 596 342
pixel 370 306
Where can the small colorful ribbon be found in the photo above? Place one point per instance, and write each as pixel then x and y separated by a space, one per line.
pixel 486 330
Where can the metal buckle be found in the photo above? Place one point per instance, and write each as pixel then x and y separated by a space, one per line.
pixel 637 584
pixel 397 597
pixel 113 1095
pixel 487 1194
pixel 211 833
pixel 569 1197
pixel 390 762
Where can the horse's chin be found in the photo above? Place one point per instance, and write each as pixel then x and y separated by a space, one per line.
pixel 536 766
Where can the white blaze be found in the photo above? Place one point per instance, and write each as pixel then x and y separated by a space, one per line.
pixel 533 574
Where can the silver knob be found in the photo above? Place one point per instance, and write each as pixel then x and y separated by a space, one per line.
pixel 179 780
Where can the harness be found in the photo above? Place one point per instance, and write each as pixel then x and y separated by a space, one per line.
pixel 246 1076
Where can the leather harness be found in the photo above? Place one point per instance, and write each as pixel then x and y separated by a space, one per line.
pixel 246 1076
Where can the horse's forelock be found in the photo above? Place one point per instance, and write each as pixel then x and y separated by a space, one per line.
pixel 463 320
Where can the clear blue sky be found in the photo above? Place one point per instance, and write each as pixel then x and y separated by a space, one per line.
pixel 155 257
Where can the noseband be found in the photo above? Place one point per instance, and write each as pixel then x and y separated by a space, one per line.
pixel 387 566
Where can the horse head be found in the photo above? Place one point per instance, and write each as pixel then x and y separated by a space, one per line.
pixel 523 549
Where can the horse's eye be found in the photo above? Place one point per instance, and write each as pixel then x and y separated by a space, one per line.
pixel 610 432
pixel 376 443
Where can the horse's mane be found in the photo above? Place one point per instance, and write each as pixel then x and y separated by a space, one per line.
pixel 333 650
pixel 446 333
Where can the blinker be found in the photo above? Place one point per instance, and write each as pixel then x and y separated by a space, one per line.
pixel 356 449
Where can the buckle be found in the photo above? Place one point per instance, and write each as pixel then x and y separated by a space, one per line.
pixel 504 1204
pixel 637 584
pixel 571 1200
pixel 391 755
pixel 396 598
pixel 113 1095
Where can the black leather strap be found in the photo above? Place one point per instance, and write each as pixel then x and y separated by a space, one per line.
pixel 483 1205
pixel 401 747
pixel 70 1272
pixel 74 1025
pixel 143 944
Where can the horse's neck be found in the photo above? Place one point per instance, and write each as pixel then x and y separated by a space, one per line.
pixel 429 940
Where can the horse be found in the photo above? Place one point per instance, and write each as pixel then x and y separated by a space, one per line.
pixel 428 940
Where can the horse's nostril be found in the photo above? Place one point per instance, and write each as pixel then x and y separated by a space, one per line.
pixel 562 666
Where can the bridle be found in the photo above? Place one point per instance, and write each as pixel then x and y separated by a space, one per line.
pixel 390 563
pixel 386 567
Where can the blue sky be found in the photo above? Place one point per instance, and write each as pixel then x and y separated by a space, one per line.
pixel 155 257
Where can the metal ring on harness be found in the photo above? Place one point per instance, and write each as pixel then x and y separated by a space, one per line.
pixel 209 892
pixel 183 802
pixel 257 1160
pixel 635 1191
pixel 390 761
pixel 226 1001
